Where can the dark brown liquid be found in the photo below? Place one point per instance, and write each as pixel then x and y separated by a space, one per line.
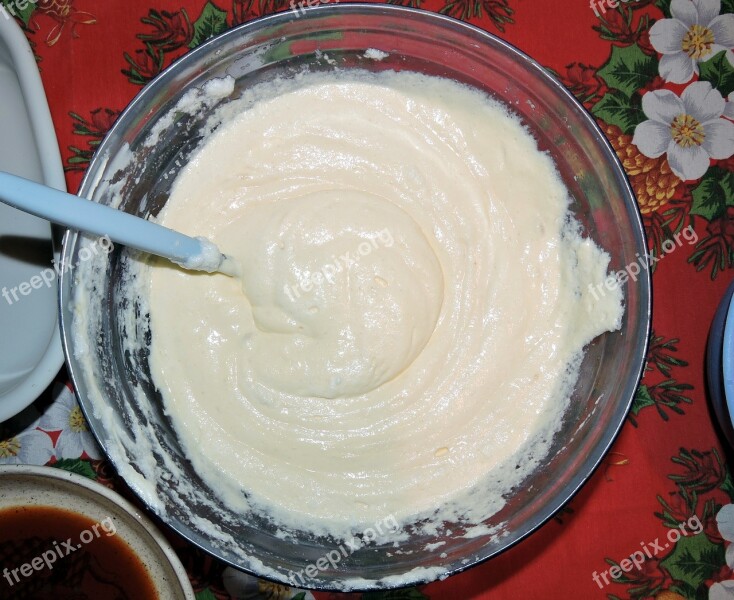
pixel 49 553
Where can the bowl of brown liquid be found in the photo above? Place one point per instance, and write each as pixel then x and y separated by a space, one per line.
pixel 65 536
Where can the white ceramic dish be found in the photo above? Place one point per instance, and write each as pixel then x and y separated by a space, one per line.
pixel 45 486
pixel 30 344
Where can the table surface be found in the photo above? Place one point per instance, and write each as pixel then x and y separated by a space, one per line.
pixel 668 467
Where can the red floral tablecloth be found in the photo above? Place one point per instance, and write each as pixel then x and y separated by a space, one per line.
pixel 657 519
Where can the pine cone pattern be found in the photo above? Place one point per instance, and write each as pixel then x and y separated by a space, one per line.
pixel 651 178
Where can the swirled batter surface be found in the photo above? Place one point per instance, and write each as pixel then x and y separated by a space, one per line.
pixel 412 307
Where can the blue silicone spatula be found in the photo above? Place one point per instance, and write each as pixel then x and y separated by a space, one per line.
pixel 193 253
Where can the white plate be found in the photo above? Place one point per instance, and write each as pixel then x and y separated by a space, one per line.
pixel 30 344
pixel 24 485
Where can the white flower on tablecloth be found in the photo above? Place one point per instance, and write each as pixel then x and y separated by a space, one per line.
pixel 688 128
pixel 32 447
pixel 725 522
pixel 242 586
pixel 695 34
pixel 722 591
pixel 729 108
pixel 65 415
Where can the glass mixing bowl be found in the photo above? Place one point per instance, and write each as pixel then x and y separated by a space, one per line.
pixel 134 169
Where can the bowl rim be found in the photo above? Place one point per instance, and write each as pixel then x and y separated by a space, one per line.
pixel 593 460
pixel 728 354
pixel 721 395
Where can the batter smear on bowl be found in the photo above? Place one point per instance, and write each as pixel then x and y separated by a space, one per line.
pixel 412 309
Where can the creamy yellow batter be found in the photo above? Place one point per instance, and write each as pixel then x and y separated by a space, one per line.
pixel 412 306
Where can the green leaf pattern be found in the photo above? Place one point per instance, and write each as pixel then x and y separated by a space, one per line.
pixel 628 69
pixel 714 194
pixel 617 109
pixel 211 22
